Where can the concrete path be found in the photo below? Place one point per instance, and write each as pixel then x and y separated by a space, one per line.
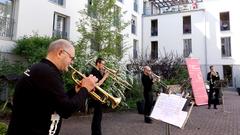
pixel 202 121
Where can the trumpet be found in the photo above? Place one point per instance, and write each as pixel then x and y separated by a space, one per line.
pixel 102 95
pixel 113 75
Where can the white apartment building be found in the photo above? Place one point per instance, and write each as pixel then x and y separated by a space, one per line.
pixel 60 17
pixel 207 29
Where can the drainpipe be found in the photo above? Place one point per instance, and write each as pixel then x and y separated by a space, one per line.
pixel 205 42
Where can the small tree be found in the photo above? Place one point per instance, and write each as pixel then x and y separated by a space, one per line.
pixel 100 26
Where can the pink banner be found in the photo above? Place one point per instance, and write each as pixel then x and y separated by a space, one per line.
pixel 198 86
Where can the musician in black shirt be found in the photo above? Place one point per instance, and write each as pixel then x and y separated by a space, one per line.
pixel 40 100
pixel 147 82
pixel 101 75
pixel 213 94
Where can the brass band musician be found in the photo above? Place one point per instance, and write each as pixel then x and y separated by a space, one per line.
pixel 101 75
pixel 212 77
pixel 147 82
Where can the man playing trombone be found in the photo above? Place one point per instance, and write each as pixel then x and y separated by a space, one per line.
pixel 101 75
pixel 147 82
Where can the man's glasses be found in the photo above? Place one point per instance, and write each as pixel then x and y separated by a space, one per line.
pixel 71 57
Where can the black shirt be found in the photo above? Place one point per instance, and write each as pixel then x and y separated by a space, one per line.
pixel 212 79
pixel 38 94
pixel 147 83
pixel 97 73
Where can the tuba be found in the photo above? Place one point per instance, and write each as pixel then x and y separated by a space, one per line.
pixel 102 95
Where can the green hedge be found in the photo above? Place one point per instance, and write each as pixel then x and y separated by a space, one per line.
pixel 3 128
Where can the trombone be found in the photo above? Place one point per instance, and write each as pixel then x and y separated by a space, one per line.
pixel 102 95
pixel 156 78
pixel 113 75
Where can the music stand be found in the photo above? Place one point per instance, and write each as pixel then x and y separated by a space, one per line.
pixel 163 107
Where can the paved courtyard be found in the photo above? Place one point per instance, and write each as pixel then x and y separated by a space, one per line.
pixel 223 121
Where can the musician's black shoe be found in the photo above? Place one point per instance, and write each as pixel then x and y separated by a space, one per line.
pixel 215 107
pixel 209 107
pixel 147 120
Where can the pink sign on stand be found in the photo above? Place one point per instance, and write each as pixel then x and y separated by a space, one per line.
pixel 198 86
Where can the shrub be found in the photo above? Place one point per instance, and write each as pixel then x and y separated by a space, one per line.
pixel 3 128
pixel 33 48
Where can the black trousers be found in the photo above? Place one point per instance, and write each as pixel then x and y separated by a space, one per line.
pixel 148 97
pixel 97 118
pixel 213 98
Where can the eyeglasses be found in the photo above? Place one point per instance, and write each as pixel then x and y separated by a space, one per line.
pixel 70 56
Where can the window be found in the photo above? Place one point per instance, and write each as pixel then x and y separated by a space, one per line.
pixel 59 2
pixel 119 45
pixel 135 5
pixel 116 16
pixel 59 26
pixel 187 47
pixel 91 9
pixel 226 46
pixel 227 74
pixel 154 50
pixel 154 27
pixel 135 49
pixel 6 20
pixel 224 21
pixel 133 24
pixel 187 25
pixel 120 1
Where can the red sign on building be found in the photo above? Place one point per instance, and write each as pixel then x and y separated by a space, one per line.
pixel 198 86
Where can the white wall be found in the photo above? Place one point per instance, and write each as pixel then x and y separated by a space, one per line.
pixel 170 34
pixel 206 35
pixel 127 7
pixel 37 17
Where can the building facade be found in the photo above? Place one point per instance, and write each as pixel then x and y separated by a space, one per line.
pixel 20 18
pixel 206 29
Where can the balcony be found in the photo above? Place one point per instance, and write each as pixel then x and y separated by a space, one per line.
pixel 187 29
pixel 154 32
pixel 6 27
pixel 225 25
pixel 59 2
pixel 60 34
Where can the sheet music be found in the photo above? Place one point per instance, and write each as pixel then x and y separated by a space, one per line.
pixel 168 108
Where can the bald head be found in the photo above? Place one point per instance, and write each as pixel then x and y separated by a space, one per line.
pixel 146 70
pixel 59 44
pixel 61 52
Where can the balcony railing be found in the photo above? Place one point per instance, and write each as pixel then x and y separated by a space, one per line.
pixel 225 25
pixel 60 34
pixel 59 2
pixel 6 27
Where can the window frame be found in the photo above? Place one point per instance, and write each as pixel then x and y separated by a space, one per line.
pixel 154 50
pixel 226 50
pixel 187 47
